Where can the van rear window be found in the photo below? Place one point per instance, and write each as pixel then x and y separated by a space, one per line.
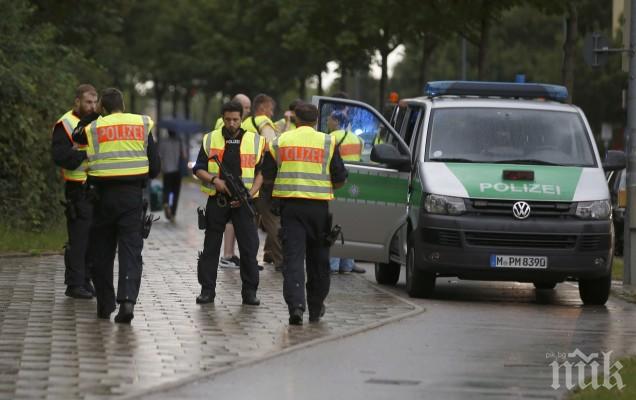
pixel 508 135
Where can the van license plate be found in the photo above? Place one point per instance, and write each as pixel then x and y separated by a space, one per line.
pixel 505 261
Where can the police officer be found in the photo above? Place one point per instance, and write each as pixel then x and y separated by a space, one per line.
pixel 122 156
pixel 260 122
pixel 71 157
pixel 350 147
pixel 229 259
pixel 308 167
pixel 240 153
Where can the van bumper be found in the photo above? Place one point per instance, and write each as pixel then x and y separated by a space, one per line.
pixel 462 246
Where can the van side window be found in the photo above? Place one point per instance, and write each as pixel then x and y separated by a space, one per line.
pixel 412 122
pixel 398 120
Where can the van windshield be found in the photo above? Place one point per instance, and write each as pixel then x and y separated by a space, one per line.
pixel 509 135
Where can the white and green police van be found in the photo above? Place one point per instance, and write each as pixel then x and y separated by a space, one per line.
pixel 477 180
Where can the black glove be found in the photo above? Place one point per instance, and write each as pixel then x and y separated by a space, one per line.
pixel 87 119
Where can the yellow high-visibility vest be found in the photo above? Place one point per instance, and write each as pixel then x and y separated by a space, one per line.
pixel 251 152
pixel 280 125
pixel 350 147
pixel 303 156
pixel 261 121
pixel 117 145
pixel 218 124
pixel 69 122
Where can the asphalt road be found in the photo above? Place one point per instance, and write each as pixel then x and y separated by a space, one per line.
pixel 475 340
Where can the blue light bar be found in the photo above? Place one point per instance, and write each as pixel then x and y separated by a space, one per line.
pixel 498 89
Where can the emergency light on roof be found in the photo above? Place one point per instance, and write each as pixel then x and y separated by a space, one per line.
pixel 496 89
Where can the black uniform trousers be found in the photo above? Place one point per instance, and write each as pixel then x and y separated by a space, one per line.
pixel 303 230
pixel 246 236
pixel 171 184
pixel 79 213
pixel 117 225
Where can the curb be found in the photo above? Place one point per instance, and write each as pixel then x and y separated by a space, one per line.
pixel 34 254
pixel 201 376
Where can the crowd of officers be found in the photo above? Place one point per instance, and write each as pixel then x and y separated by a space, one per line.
pixel 284 172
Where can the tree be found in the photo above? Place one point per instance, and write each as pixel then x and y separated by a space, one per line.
pixel 37 80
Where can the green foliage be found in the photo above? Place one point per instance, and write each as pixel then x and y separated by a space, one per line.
pixel 628 376
pixel 528 39
pixel 37 87
pixel 50 239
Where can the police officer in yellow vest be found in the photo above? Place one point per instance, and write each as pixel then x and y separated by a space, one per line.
pixel 71 157
pixel 241 154
pixel 260 122
pixel 229 259
pixel 122 155
pixel 288 122
pixel 350 146
pixel 308 167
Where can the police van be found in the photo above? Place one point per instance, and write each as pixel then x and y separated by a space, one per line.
pixel 477 180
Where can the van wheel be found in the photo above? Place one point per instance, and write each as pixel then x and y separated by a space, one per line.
pixel 545 285
pixel 595 291
pixel 387 273
pixel 418 284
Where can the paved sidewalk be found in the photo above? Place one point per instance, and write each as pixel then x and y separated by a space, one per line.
pixel 54 347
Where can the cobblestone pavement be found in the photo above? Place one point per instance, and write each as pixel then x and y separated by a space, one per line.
pixel 54 347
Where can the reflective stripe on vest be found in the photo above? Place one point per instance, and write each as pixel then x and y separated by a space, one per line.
pixel 350 145
pixel 117 145
pixel 70 121
pixel 303 156
pixel 251 152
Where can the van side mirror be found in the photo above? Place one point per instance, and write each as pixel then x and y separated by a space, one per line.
pixel 614 160
pixel 388 154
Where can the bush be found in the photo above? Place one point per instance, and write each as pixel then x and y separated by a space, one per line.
pixel 36 87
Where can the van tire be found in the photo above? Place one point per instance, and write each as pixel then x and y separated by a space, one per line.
pixel 595 292
pixel 387 273
pixel 545 285
pixel 418 283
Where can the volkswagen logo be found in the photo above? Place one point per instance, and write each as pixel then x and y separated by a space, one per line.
pixel 521 210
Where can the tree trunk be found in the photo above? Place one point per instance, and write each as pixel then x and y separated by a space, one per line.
pixel 175 101
pixel 187 101
pixel 302 88
pixel 320 91
pixel 159 92
pixel 428 47
pixel 567 70
pixel 483 40
pixel 133 98
pixel 384 53
pixel 342 85
pixel 206 108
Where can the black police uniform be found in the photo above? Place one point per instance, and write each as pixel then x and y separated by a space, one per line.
pixel 79 211
pixel 117 225
pixel 216 219
pixel 304 226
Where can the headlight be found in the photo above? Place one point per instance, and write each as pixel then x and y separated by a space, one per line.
pixel 437 204
pixel 599 209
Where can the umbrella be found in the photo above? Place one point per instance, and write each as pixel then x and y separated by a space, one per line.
pixel 180 125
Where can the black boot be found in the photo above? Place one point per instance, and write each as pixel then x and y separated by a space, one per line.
pixel 315 315
pixel 251 300
pixel 205 297
pixel 296 316
pixel 78 292
pixel 125 314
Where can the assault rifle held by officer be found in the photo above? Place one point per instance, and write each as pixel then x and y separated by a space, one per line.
pixel 238 191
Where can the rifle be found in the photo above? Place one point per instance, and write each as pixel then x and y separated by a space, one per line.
pixel 237 189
